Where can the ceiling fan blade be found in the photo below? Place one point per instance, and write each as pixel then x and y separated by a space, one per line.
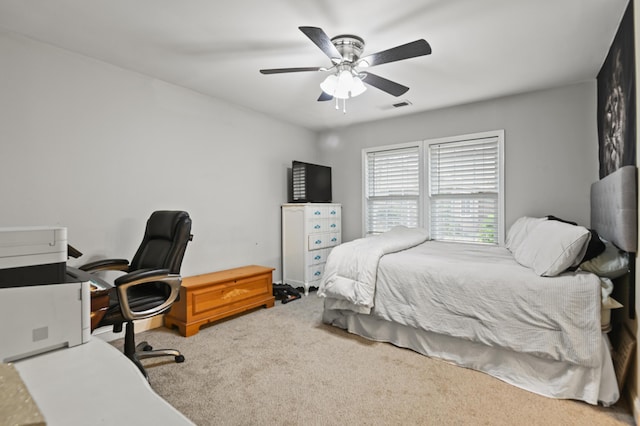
pixel 385 85
pixel 322 40
pixel 324 97
pixel 398 53
pixel 283 70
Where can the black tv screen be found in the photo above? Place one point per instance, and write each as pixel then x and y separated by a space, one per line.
pixel 310 183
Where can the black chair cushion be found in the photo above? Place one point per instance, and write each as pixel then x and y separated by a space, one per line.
pixel 141 298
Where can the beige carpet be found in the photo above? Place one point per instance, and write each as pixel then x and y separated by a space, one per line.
pixel 282 366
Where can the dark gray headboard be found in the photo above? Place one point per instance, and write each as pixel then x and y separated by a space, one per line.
pixel 614 208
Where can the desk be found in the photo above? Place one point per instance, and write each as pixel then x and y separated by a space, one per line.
pixel 94 384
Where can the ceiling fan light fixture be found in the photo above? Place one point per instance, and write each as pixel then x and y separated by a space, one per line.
pixel 358 87
pixel 329 84
pixel 343 85
pixel 345 82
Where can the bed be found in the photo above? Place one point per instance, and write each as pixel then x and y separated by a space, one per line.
pixel 533 313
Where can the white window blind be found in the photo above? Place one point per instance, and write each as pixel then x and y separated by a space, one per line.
pixel 392 188
pixel 464 190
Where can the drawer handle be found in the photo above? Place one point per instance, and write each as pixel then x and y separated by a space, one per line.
pixel 317 273
pixel 334 239
pixel 333 212
pixel 316 227
pixel 333 225
pixel 317 212
pixel 317 258
pixel 318 241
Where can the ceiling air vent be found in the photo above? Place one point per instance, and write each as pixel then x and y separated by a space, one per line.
pixel 401 104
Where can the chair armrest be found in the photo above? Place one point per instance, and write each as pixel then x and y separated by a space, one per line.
pixel 145 276
pixel 141 274
pixel 106 265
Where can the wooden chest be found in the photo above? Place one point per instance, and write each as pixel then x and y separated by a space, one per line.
pixel 210 297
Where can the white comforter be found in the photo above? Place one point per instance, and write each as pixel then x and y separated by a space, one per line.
pixel 350 272
pixel 482 294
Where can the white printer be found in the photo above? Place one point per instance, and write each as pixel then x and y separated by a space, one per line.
pixel 39 310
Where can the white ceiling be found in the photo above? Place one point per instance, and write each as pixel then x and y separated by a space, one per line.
pixel 481 48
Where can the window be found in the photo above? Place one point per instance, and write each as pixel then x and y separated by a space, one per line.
pixel 392 188
pixel 464 190
pixel 458 190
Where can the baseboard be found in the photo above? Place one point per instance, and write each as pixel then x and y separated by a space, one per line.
pixel 149 323
pixel 107 334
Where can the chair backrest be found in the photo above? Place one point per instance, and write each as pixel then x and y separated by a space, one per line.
pixel 164 243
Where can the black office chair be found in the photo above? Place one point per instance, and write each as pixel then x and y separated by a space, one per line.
pixel 151 283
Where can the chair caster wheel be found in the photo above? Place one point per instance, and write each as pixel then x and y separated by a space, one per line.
pixel 147 348
pixel 179 358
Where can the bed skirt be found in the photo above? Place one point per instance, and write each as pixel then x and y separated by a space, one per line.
pixel 554 379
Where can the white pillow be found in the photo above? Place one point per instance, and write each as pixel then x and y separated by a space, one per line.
pixel 611 263
pixel 519 231
pixel 551 247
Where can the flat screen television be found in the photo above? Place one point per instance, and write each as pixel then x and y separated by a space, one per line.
pixel 310 183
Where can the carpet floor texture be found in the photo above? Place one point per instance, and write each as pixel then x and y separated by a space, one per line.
pixel 283 366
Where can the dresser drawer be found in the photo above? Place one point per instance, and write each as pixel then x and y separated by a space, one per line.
pixel 318 225
pixel 322 225
pixel 314 272
pixel 334 212
pixel 319 241
pixel 323 211
pixel 317 256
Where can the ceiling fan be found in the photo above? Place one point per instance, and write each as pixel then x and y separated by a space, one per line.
pixel 346 80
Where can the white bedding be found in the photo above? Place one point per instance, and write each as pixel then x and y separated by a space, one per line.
pixel 481 294
pixel 554 379
pixel 350 272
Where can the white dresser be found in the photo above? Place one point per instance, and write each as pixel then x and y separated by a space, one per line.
pixel 309 231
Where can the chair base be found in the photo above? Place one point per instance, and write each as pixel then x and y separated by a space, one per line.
pixel 143 350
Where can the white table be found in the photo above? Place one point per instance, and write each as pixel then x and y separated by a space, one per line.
pixel 94 384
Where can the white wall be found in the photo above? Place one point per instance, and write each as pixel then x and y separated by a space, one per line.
pixel 551 150
pixel 97 148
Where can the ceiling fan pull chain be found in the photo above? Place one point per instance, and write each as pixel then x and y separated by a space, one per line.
pixel 337 100
pixel 344 106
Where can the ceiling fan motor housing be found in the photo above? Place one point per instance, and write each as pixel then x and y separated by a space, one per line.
pixel 349 46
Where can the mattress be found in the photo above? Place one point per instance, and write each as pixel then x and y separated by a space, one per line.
pixel 481 294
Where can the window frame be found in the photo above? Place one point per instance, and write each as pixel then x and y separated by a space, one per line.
pixel 424 201
pixel 499 134
pixel 421 182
